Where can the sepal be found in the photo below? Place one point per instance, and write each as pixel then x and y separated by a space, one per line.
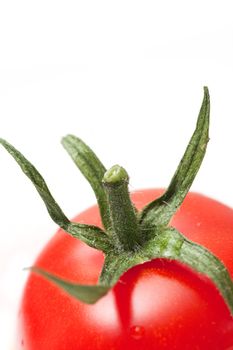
pixel 92 169
pixel 88 294
pixel 171 244
pixel 161 210
pixel 91 235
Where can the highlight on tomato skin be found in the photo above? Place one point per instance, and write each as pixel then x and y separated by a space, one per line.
pixel 156 305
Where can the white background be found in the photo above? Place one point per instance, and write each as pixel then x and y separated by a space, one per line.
pixel 125 76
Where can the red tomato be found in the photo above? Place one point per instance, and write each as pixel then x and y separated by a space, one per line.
pixel 156 305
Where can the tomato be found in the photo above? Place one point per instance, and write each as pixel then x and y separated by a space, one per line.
pixel 161 304
pixel 164 279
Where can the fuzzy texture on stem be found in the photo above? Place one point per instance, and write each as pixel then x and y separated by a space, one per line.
pixel 124 223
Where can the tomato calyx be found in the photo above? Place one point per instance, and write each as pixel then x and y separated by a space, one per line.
pixel 128 237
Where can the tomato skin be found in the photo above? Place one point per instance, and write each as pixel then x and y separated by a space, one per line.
pixel 160 304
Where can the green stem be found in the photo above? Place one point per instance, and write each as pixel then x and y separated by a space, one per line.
pixel 124 224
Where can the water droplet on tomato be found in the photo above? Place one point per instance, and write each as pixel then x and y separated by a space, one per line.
pixel 137 332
